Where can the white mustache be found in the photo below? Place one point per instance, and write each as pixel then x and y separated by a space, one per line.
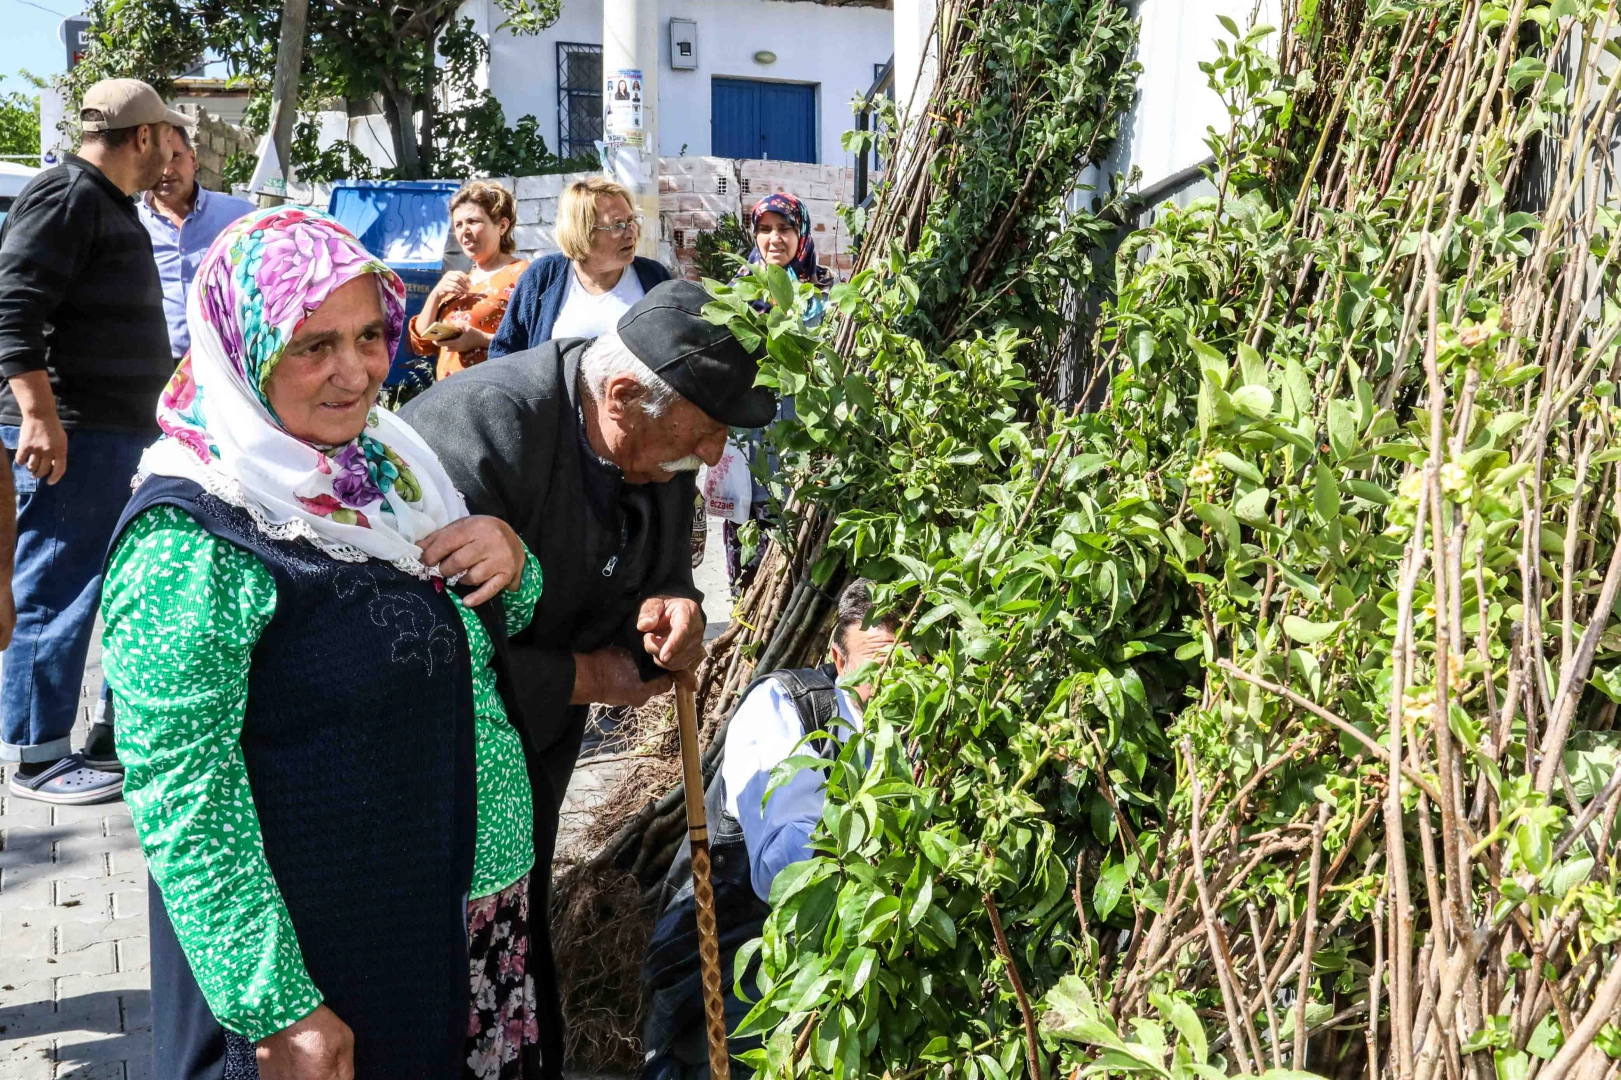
pixel 690 463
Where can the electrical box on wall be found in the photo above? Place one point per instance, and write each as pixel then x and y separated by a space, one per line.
pixel 684 44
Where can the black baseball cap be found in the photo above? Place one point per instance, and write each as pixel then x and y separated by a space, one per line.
pixel 703 361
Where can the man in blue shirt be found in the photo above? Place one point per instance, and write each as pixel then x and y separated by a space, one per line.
pixel 183 218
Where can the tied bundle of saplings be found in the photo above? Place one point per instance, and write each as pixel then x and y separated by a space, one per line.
pixel 1262 718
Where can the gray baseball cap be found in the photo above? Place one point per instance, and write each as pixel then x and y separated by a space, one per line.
pixel 128 103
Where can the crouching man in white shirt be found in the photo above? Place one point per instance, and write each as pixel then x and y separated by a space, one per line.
pixel 753 837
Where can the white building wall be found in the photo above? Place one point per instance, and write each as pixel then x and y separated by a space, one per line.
pixel 836 48
pixel 1165 129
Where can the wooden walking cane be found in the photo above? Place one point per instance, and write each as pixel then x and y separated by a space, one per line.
pixel 686 715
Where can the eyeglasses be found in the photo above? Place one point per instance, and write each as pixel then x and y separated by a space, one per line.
pixel 620 228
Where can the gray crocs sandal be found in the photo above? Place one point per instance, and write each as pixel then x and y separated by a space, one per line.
pixel 70 782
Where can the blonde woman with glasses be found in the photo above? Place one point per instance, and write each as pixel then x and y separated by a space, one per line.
pixel 583 291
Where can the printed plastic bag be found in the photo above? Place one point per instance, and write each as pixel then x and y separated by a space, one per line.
pixel 728 490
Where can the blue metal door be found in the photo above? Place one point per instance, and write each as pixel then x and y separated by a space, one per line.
pixel 753 119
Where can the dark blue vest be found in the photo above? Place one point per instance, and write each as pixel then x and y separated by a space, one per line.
pixel 358 740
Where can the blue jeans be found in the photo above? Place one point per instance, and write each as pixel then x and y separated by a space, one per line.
pixel 62 535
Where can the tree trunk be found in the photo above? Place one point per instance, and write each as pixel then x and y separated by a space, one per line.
pixel 425 137
pixel 401 129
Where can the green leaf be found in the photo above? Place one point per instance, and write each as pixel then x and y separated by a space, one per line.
pixel 1297 392
pixel 1309 633
pixel 1252 369
pixel 1111 885
pixel 1071 1013
pixel 1186 1021
pixel 1546 1038
pixel 858 969
pixel 1252 507
pixel 1256 401
pixel 1325 494
pixel 1341 429
pixel 1212 363
pixel 1512 1064
pixel 1506 478
pixel 1239 467
pixel 1221 522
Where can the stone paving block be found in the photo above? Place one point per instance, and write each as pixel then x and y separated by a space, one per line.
pixel 127 859
pixel 15 812
pixel 105 1065
pixel 116 821
pixel 35 906
pixel 98 959
pixel 94 1013
pixel 134 953
pixel 139 1068
pixel 22 937
pixel 82 815
pixel 71 937
pixel 77 860
pixel 23 845
pixel 15 990
pixel 137 1006
pixel 20 890
pixel 130 903
pixel 114 984
pixel 26 1059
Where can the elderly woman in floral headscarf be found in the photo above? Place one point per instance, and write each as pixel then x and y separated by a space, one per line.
pixel 304 632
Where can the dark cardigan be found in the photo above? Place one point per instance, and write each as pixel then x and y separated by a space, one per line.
pixel 365 793
pixel 538 297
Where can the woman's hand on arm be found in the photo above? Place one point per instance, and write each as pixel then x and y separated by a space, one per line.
pixel 484 550
pixel 318 1047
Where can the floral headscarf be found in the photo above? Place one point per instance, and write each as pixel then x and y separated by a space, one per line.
pixel 372 498
pixel 804 266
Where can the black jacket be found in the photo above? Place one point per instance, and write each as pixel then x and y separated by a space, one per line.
pixel 509 434
pixel 80 298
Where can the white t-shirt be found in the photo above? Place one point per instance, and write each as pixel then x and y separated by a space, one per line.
pixel 587 316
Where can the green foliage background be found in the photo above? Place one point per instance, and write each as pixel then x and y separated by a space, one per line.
pixel 19 119
pixel 407 55
pixel 1189 753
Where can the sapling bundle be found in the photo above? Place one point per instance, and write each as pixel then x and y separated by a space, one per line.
pixel 1260 719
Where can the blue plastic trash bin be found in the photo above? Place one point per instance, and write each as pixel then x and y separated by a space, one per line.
pixel 404 223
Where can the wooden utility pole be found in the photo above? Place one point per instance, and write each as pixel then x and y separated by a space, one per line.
pixel 284 91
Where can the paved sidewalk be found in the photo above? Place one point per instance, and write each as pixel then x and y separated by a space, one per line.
pixel 74 969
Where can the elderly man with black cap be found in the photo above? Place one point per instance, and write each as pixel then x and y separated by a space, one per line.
pixel 588 449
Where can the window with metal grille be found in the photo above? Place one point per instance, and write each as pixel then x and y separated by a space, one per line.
pixel 579 97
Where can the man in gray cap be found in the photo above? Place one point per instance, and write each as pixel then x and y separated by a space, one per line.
pixel 84 354
pixel 588 449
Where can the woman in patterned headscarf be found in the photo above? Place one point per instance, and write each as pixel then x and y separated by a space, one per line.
pixel 782 238
pixel 303 632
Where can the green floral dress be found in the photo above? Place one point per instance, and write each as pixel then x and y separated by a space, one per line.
pixel 184 610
